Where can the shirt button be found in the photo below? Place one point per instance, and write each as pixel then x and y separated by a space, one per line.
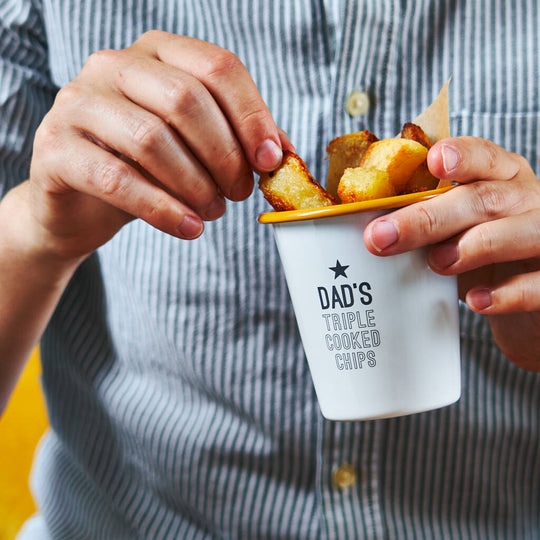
pixel 344 476
pixel 357 103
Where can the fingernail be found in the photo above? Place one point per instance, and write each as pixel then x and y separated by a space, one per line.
pixel 443 256
pixel 450 158
pixel 383 235
pixel 191 227
pixel 215 209
pixel 479 299
pixel 268 156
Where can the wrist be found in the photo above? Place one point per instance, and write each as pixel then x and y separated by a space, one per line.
pixel 28 242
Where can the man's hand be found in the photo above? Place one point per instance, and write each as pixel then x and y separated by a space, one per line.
pixel 487 231
pixel 164 130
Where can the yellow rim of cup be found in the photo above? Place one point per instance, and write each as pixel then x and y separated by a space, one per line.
pixel 351 208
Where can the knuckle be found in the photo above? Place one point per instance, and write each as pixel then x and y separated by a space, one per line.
pixel 492 155
pixel 181 98
pixel 47 136
pixel 201 192
pixel 233 163
pixel 516 298
pixel 485 245
pixel 70 95
pixel 223 63
pixel 523 299
pixel 152 35
pixel 153 211
pixel 427 220
pixel 148 135
pixel 255 114
pixel 102 59
pixel 111 176
pixel 48 151
pixel 489 199
pixel 522 164
pixel 197 191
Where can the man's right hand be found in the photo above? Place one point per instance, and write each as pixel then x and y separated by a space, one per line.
pixel 164 131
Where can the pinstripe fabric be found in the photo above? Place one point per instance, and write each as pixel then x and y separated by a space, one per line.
pixel 179 396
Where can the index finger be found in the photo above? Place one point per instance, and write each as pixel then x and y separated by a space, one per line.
pixel 231 85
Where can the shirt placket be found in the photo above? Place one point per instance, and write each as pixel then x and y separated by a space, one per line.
pixel 349 480
pixel 364 89
pixel 364 79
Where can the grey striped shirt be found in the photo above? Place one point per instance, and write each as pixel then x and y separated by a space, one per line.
pixel 180 401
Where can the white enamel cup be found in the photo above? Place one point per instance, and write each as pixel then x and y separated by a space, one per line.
pixel 381 334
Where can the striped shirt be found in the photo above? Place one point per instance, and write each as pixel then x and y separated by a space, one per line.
pixel 179 397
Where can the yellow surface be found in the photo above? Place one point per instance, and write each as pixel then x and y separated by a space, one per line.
pixel 350 208
pixel 21 426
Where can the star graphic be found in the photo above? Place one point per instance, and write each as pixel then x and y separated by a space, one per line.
pixel 339 269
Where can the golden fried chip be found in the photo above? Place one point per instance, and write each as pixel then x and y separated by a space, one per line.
pixel 362 184
pixel 415 133
pixel 397 157
pixel 291 186
pixel 421 180
pixel 346 152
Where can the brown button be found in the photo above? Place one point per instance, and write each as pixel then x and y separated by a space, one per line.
pixel 344 476
pixel 357 103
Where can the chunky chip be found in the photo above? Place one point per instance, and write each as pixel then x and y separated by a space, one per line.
pixel 361 168
pixel 415 133
pixel 361 184
pixel 346 152
pixel 397 158
pixel 421 179
pixel 291 186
